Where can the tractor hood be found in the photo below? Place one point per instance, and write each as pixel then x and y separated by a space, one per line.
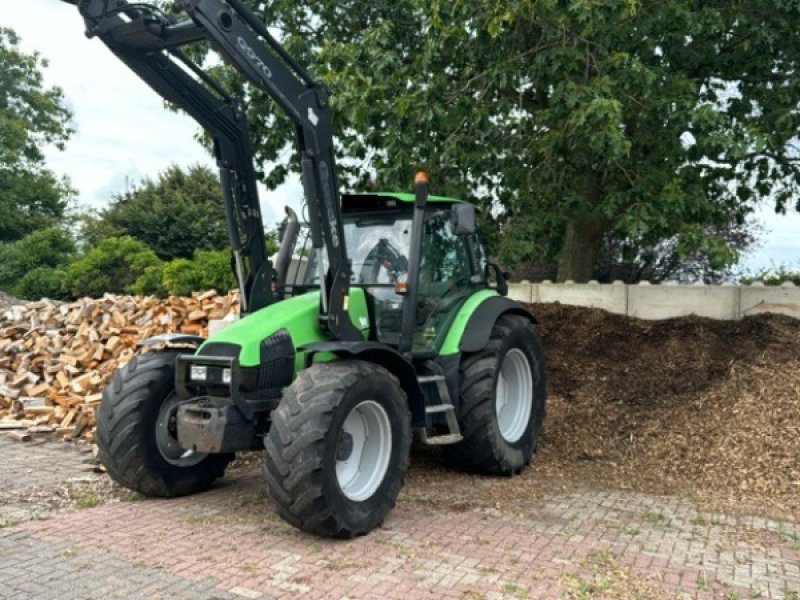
pixel 296 316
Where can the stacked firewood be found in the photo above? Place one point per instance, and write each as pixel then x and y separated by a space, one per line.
pixel 55 358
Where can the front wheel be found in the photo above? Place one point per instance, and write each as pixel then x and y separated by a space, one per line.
pixel 337 450
pixel 137 434
pixel 502 400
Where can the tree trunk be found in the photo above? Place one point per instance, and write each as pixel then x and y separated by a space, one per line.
pixel 583 236
pixel 583 239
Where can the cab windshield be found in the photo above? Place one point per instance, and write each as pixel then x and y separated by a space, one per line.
pixel 378 243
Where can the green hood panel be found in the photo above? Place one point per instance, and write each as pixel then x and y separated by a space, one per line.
pixel 453 339
pixel 298 315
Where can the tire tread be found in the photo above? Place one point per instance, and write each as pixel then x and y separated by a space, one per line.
pixel 121 450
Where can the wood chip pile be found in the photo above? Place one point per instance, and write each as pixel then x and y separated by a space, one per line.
pixel 705 408
pixel 55 358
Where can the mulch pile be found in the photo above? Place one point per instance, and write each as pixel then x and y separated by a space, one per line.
pixel 690 405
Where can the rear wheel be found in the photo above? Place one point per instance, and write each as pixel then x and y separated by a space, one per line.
pixel 137 436
pixel 502 400
pixel 337 450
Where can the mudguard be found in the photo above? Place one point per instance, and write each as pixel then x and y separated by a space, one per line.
pixel 479 327
pixel 172 338
pixel 380 354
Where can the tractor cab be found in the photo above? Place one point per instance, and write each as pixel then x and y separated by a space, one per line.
pixel 377 232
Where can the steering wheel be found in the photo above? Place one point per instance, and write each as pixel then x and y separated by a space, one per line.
pixel 383 254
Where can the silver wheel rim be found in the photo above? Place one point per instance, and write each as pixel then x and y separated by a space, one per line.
pixel 363 450
pixel 514 395
pixel 167 436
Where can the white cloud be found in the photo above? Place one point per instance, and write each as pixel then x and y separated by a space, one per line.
pixel 122 127
pixel 780 239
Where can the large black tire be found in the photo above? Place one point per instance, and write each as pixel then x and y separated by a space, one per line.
pixel 304 448
pixel 126 431
pixel 484 449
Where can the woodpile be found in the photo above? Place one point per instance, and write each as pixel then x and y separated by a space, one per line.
pixel 55 358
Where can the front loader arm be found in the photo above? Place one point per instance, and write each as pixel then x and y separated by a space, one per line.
pixel 150 43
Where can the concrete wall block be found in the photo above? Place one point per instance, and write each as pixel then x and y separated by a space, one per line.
pixel 647 301
pixel 611 297
pixel 521 292
pixel 760 299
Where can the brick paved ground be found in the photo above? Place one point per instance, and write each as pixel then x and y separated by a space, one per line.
pixel 228 543
pixel 34 480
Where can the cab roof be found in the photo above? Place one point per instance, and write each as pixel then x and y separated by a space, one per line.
pixel 380 200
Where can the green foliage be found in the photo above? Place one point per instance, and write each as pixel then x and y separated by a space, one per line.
pixel 114 265
pixel 648 120
pixel 43 282
pixel 151 282
pixel 774 275
pixel 178 213
pixel 271 241
pixel 32 267
pixel 31 117
pixel 209 269
pixel 44 264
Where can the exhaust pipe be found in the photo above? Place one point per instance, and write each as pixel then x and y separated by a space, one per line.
pixel 289 232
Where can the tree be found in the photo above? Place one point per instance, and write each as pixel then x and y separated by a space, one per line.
pixel 210 269
pixel 575 120
pixel 31 116
pixel 115 265
pixel 34 266
pixel 178 213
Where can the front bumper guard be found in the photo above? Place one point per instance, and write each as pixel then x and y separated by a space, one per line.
pixel 213 423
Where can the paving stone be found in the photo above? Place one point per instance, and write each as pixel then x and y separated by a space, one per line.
pixel 210 546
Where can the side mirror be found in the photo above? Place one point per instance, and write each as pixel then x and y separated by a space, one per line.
pixel 463 219
pixel 501 284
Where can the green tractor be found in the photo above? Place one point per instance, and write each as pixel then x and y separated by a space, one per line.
pixel 376 321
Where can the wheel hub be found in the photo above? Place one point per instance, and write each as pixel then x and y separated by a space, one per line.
pixel 514 395
pixel 344 445
pixel 167 436
pixel 363 450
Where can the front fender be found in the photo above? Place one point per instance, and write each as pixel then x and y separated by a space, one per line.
pixel 384 356
pixel 181 339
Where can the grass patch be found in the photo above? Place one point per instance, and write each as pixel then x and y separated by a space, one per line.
pixel 602 576
pixel 701 581
pixel 513 588
pixel 88 499
pixel 654 517
pixel 8 522
pixel 252 499
pixel 199 519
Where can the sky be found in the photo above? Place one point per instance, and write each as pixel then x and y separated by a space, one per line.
pixel 124 133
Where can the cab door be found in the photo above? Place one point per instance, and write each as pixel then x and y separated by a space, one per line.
pixel 452 267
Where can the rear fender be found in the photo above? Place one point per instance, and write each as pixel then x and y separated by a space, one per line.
pixel 479 326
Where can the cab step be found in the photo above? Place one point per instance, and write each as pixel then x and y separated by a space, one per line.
pixel 440 440
pixel 446 408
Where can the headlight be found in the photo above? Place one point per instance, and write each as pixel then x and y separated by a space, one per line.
pixel 226 375
pixel 198 373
